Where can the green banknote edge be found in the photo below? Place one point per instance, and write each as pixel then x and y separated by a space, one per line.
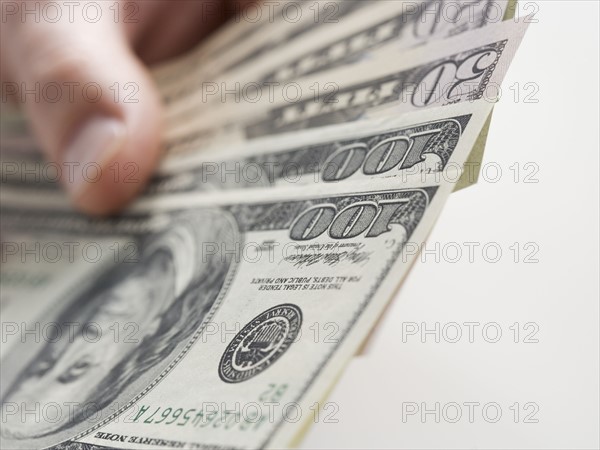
pixel 472 166
pixel 511 10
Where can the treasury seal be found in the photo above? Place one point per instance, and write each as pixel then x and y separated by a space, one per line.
pixel 260 343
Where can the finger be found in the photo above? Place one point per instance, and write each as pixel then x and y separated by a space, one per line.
pixel 92 104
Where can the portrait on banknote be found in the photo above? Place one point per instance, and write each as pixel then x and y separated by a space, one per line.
pixel 123 330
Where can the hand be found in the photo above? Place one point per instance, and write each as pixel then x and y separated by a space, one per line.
pixel 107 110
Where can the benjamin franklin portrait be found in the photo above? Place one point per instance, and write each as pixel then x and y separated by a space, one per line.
pixel 159 302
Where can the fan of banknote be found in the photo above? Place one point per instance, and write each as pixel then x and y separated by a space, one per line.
pixel 301 158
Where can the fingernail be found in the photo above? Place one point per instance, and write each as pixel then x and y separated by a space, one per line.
pixel 90 151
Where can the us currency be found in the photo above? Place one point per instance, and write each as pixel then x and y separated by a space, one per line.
pixel 252 33
pixel 253 29
pixel 466 67
pixel 230 34
pixel 189 325
pixel 395 147
pixel 372 43
pixel 332 44
pixel 408 22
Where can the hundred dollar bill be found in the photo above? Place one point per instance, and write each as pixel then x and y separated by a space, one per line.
pixel 203 339
pixel 353 37
pixel 466 67
pixel 395 147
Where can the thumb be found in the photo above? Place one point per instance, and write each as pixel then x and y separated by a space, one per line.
pixel 93 106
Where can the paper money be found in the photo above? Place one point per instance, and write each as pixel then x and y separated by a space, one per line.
pixel 463 68
pixel 259 265
pixel 401 147
pixel 258 31
pixel 347 106
pixel 220 307
pixel 331 44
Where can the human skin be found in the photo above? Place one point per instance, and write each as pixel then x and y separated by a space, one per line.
pixel 121 137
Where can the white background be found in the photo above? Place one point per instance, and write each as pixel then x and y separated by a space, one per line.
pixel 559 293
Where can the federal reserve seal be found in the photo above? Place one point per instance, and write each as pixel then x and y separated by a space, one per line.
pixel 260 343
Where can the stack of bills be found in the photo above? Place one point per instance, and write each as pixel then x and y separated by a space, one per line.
pixel 301 158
